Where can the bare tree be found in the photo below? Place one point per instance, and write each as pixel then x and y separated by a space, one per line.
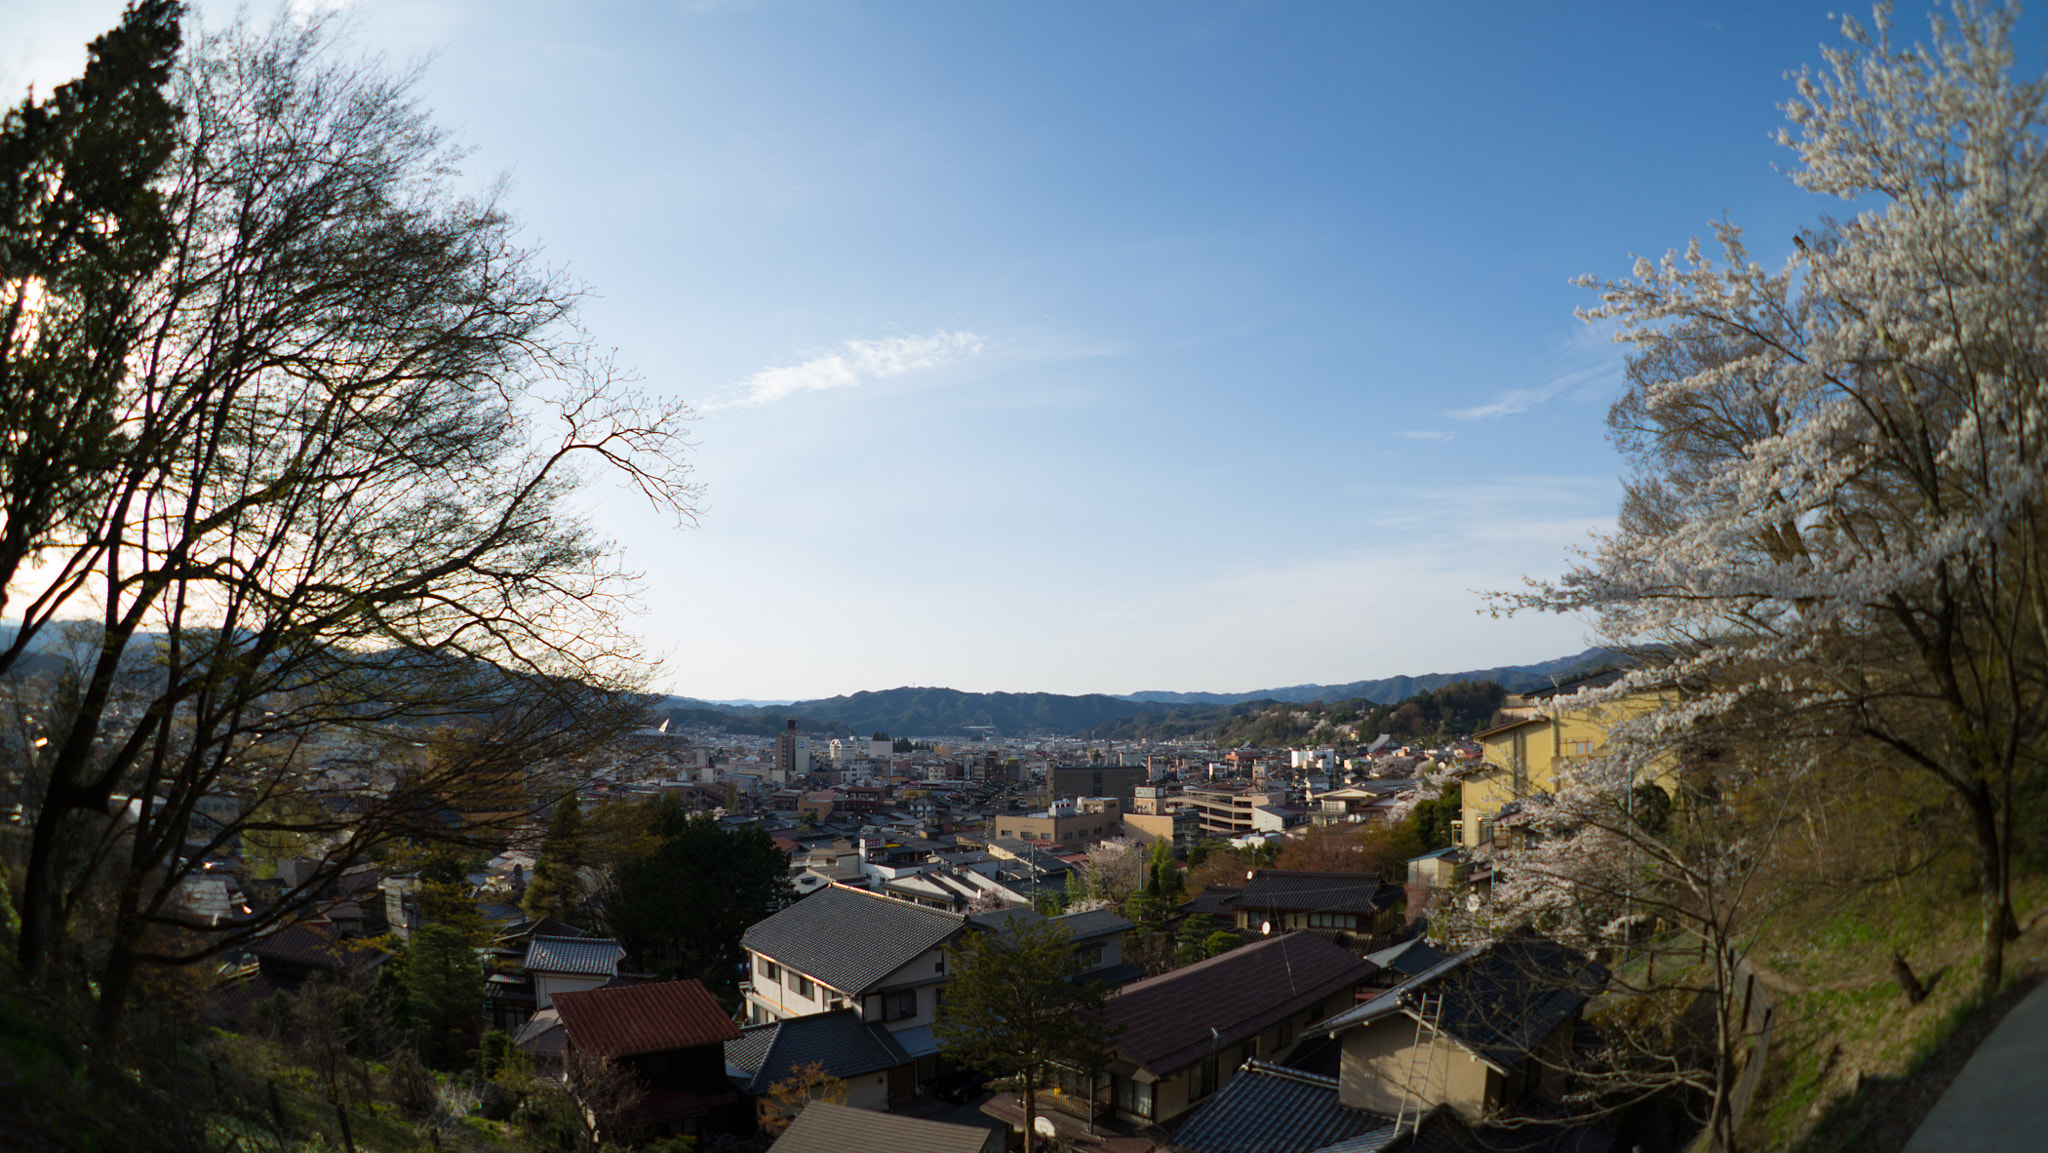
pixel 347 414
pixel 788 1097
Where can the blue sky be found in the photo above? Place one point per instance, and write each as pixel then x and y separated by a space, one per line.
pixel 1091 346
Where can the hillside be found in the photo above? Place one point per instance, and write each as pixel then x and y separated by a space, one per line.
pixel 1514 678
pixel 1138 716
pixel 926 712
pixel 1456 709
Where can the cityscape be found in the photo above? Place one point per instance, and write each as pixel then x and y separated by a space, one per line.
pixel 444 678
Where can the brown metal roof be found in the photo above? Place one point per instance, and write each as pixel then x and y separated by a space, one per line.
pixel 1177 1018
pixel 629 1019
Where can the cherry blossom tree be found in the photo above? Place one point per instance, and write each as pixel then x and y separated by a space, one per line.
pixel 1838 502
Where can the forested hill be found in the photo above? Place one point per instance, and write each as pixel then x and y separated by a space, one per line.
pixel 1360 707
pixel 926 712
pixel 1457 709
pixel 1387 690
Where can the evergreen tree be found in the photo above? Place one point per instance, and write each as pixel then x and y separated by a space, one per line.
pixel 82 227
pixel 681 907
pixel 1016 1007
pixel 557 887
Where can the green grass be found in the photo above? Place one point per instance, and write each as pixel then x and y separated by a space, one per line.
pixel 1848 1037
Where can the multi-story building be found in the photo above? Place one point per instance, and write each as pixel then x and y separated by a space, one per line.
pixel 1231 810
pixel 1076 823
pixel 792 754
pixel 1119 781
pixel 1547 732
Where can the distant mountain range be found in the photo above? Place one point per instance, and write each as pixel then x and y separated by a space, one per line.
pixel 1513 678
pixel 919 712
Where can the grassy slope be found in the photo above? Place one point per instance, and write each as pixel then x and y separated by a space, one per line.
pixel 212 1095
pixel 1846 1040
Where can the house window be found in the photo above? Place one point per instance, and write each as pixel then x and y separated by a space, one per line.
pixel 1089 956
pixel 770 971
pixel 1204 1082
pixel 1578 748
pixel 801 985
pixel 1287 1031
pixel 899 1006
pixel 1332 921
pixel 1133 1097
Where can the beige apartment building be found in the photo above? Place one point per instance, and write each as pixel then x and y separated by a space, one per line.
pixel 1230 810
pixel 1076 823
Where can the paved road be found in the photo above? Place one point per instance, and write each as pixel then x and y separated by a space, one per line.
pixel 1999 1102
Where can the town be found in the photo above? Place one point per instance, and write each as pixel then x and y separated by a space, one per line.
pixel 1260 961
pixel 422 732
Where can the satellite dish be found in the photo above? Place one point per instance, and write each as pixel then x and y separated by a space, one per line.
pixel 1266 927
pixel 1044 1127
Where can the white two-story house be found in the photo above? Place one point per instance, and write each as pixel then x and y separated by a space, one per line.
pixel 845 948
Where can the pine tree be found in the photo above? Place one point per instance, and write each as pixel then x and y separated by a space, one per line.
pixel 557 887
pixel 1014 1006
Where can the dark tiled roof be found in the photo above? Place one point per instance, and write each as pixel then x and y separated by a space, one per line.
pixel 996 920
pixel 827 1128
pixel 1315 892
pixel 1094 923
pixel 1443 1132
pixel 573 955
pixel 1213 900
pixel 1117 975
pixel 848 939
pixel 1410 957
pixel 1268 1109
pixel 618 1022
pixel 1499 999
pixel 539 927
pixel 1176 1018
pixel 840 1041
pixel 314 944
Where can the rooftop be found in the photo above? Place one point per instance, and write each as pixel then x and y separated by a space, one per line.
pixel 591 956
pixel 1176 1018
pixel 827 1128
pixel 1499 999
pixel 848 939
pixel 840 1041
pixel 1272 1109
pixel 623 1020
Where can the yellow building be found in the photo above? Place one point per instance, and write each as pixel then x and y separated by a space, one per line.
pixel 1534 749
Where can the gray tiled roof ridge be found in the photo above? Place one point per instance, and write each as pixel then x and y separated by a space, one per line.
pixel 591 955
pixel 1220 960
pixel 1270 1069
pixel 1475 1022
pixel 1240 1008
pixel 850 939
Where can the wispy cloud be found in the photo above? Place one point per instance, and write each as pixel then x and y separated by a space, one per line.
pixel 853 363
pixel 1428 434
pixel 1584 367
pixel 305 11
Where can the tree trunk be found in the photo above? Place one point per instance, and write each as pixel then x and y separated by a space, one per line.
pixel 116 980
pixel 39 884
pixel 1996 904
pixel 1030 1114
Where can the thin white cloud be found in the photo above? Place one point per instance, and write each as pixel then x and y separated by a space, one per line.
pixel 305 11
pixel 853 363
pixel 1428 434
pixel 1507 403
pixel 1590 369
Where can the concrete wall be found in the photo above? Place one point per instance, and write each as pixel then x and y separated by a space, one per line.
pixel 1380 1058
